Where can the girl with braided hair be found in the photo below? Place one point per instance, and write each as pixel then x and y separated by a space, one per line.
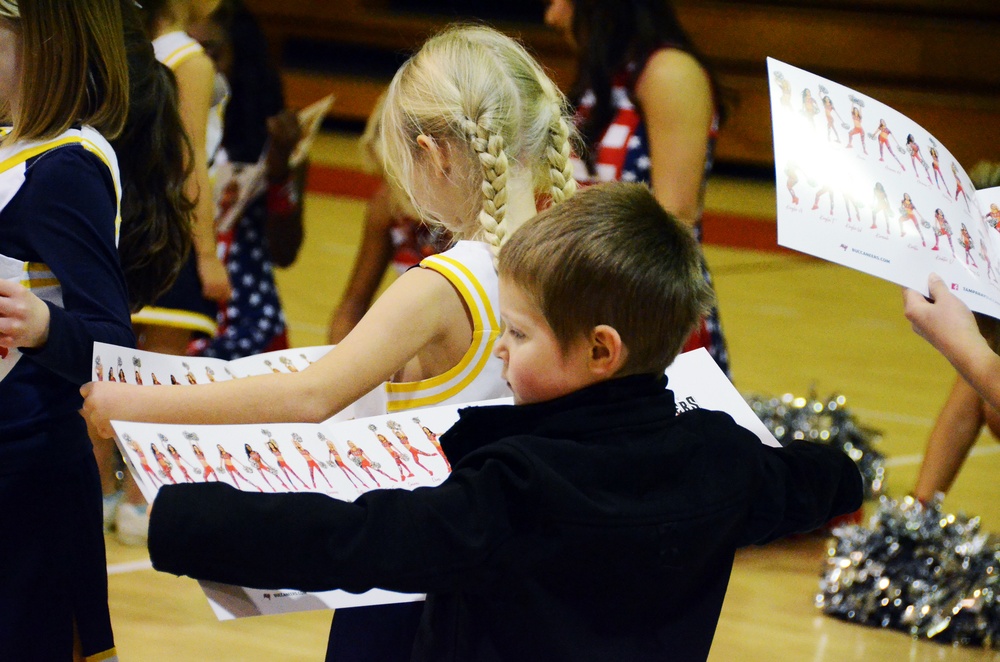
pixel 474 132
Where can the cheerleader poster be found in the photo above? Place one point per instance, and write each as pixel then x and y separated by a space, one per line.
pixel 115 363
pixel 862 185
pixel 132 366
pixel 344 459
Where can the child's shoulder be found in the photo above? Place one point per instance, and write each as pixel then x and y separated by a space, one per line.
pixel 717 431
pixel 63 159
pixel 464 252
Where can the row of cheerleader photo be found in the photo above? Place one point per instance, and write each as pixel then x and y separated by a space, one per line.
pixel 342 469
pixel 865 196
pixel 381 455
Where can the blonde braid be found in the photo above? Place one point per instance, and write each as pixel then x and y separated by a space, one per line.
pixel 489 147
pixel 562 183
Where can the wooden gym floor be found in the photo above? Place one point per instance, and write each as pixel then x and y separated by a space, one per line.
pixel 794 325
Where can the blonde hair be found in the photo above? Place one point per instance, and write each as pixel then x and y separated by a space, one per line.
pixel 480 93
pixel 74 67
pixel 370 145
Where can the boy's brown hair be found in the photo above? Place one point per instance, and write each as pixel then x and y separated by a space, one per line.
pixel 612 255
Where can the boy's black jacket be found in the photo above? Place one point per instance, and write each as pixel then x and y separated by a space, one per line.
pixel 597 526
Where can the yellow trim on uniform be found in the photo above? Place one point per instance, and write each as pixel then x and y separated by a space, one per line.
pixel 479 330
pixel 468 274
pixel 393 407
pixel 23 156
pixel 175 318
pixel 179 55
pixel 95 150
pixel 477 321
pixel 44 277
pixel 104 656
pixel 35 283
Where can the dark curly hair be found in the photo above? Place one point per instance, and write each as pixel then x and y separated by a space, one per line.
pixel 154 154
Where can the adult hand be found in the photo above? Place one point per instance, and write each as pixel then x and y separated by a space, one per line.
pixel 943 320
pixel 24 318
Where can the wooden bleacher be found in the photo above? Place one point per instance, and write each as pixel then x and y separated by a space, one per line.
pixel 933 60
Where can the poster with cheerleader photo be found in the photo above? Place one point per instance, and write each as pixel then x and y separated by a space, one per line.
pixel 114 363
pixel 339 459
pixel 344 459
pixel 862 185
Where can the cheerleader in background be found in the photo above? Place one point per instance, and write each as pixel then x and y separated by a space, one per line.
pixel 269 230
pixel 649 110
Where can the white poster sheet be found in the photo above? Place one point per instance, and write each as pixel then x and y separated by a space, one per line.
pixel 10 269
pixel 864 186
pixel 114 363
pixel 343 459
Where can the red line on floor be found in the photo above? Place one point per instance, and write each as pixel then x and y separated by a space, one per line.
pixel 734 231
pixel 345 182
pixel 720 229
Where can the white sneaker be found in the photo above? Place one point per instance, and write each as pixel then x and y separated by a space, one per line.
pixel 111 502
pixel 132 524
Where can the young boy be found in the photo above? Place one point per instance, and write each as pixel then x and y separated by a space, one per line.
pixel 586 522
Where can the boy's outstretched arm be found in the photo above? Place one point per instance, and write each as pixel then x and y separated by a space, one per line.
pixel 800 488
pixel 415 541
pixel 948 324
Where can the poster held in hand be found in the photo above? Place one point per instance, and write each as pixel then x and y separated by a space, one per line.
pixel 883 196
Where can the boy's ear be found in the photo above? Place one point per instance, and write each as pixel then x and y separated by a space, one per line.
pixel 437 152
pixel 607 351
